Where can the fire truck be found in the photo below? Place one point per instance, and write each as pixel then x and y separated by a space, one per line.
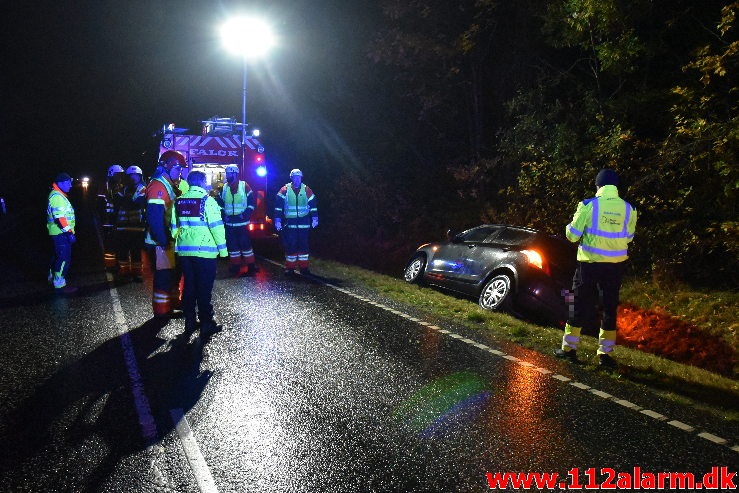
pixel 217 145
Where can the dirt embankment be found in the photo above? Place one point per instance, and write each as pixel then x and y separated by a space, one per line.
pixel 671 338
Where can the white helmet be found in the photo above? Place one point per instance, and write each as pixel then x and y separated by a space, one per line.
pixel 116 168
pixel 134 169
pixel 296 172
pixel 232 168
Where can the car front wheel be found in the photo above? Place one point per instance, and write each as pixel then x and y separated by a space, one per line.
pixel 496 295
pixel 414 270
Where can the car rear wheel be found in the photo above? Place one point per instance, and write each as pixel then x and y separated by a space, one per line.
pixel 414 270
pixel 496 295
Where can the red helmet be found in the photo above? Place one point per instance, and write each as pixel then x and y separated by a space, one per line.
pixel 169 159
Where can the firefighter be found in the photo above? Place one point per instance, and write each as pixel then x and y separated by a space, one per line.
pixel 296 206
pixel 130 228
pixel 603 226
pixel 111 198
pixel 238 205
pixel 197 228
pixel 160 193
pixel 60 222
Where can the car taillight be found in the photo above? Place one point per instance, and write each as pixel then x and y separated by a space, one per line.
pixel 534 258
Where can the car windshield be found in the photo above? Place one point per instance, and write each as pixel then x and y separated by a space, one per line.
pixel 479 234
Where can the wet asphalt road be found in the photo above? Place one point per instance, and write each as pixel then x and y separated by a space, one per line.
pixel 313 385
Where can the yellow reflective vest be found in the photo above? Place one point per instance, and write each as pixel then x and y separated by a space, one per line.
pixel 234 205
pixel 197 226
pixel 59 213
pixel 604 226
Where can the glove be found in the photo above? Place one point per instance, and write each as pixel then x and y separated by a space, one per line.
pixel 71 237
pixel 278 224
pixel 314 222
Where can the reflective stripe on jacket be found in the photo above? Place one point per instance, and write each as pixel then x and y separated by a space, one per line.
pixel 235 205
pixel 159 196
pixel 604 225
pixel 59 213
pixel 197 226
pixel 296 208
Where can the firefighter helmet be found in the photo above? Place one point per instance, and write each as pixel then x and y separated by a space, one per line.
pixel 296 172
pixel 134 169
pixel 232 168
pixel 116 168
pixel 170 159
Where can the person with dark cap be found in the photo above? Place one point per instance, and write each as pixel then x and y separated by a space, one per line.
pixel 60 222
pixel 604 226
pixel 200 237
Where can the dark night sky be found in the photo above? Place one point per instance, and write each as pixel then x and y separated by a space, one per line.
pixel 86 84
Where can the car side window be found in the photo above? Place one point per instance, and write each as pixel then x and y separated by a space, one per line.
pixel 481 234
pixel 514 237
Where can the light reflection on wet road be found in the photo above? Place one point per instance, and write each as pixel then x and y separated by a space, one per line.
pixel 307 389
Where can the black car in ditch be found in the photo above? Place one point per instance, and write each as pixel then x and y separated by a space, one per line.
pixel 504 267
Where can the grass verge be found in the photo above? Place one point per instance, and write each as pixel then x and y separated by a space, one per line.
pixel 682 383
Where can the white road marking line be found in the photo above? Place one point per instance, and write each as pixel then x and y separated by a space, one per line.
pixel 626 403
pixel 681 425
pixel 653 414
pixel 562 378
pixel 713 438
pixel 197 462
pixel 600 393
pixel 141 403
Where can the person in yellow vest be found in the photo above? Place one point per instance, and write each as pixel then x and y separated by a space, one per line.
pixel 197 228
pixel 60 221
pixel 160 194
pixel 295 214
pixel 238 205
pixel 604 226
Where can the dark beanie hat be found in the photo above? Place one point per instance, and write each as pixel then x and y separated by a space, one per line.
pixel 62 177
pixel 606 177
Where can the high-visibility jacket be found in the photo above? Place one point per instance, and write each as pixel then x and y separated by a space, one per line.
pixel 238 206
pixel 159 196
pixel 197 226
pixel 182 186
pixel 296 208
pixel 604 226
pixel 130 212
pixel 59 213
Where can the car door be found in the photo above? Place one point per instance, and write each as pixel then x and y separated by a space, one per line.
pixel 459 263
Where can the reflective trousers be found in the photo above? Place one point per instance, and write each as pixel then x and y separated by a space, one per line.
pixel 295 244
pixel 165 284
pixel 61 259
pixel 238 243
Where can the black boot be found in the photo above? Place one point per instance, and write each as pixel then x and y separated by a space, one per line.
pixel 209 327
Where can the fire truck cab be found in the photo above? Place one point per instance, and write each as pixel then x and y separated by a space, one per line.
pixel 217 145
